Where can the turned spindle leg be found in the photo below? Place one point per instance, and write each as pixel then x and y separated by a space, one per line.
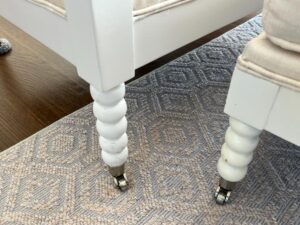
pixel 236 154
pixel 110 109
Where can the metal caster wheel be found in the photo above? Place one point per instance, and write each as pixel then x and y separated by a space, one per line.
pixel 121 182
pixel 222 195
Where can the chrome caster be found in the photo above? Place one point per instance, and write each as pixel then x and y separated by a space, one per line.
pixel 121 182
pixel 119 176
pixel 223 191
pixel 222 195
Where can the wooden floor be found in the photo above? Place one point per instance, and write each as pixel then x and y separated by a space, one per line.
pixel 38 87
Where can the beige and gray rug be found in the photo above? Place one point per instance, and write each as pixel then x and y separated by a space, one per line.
pixel 176 128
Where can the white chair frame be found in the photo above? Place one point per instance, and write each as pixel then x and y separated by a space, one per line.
pixel 106 45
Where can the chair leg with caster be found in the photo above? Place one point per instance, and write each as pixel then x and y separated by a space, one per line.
pixel 110 109
pixel 236 154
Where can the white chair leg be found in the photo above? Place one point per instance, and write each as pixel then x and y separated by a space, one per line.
pixel 236 154
pixel 110 109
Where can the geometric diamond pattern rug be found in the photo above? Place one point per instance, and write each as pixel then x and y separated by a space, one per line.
pixel 176 129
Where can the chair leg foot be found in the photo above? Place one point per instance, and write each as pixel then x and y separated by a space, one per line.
pixel 119 175
pixel 110 109
pixel 223 192
pixel 236 154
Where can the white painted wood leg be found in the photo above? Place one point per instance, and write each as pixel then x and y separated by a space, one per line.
pixel 236 154
pixel 110 109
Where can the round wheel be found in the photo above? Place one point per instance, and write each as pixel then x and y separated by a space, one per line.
pixel 220 199
pixel 222 196
pixel 121 182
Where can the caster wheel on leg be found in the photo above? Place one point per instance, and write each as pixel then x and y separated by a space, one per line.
pixel 121 182
pixel 222 196
pixel 223 191
pixel 119 176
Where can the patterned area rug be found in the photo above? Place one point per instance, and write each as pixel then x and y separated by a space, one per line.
pixel 176 129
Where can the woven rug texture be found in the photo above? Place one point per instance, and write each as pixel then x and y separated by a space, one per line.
pixel 176 129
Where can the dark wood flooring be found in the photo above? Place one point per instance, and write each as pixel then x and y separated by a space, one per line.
pixel 38 87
